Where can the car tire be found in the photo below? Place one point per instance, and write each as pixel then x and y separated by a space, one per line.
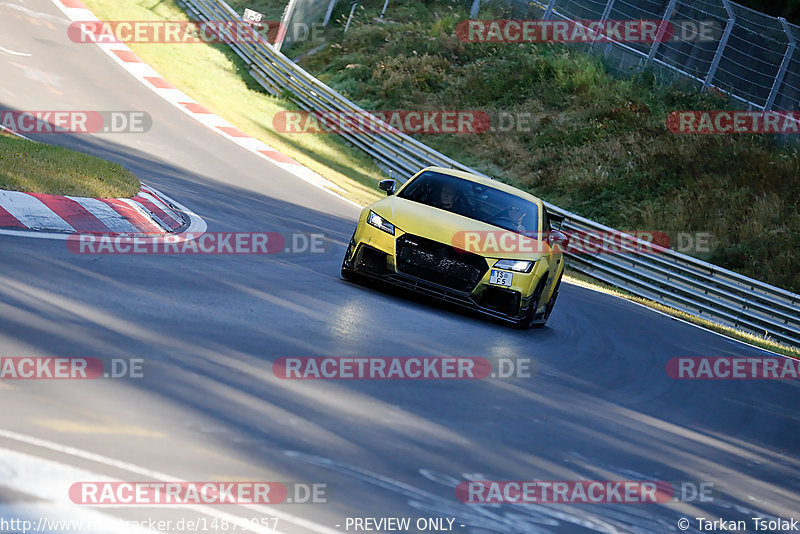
pixel 529 319
pixel 552 302
pixel 347 273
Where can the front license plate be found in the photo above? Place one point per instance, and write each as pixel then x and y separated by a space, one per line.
pixel 501 278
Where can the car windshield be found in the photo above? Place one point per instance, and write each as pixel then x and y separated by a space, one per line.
pixel 473 200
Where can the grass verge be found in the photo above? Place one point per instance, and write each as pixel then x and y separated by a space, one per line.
pixel 41 168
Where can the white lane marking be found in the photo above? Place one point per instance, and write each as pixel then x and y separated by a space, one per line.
pixel 132 468
pixel 106 215
pixel 31 212
pixel 13 52
pixel 51 480
pixel 197 226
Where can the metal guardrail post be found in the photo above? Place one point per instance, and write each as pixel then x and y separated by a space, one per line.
pixel 787 57
pixel 548 12
pixel 350 17
pixel 473 11
pixel 607 11
pixel 328 13
pixel 712 70
pixel 603 19
pixel 286 21
pixel 661 29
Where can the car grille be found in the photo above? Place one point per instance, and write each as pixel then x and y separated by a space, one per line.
pixel 439 263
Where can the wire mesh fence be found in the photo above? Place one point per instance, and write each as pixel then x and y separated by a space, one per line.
pixel 717 43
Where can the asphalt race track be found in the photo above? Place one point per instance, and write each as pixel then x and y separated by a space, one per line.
pixel 600 405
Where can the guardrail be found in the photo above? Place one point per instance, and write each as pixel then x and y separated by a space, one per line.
pixel 667 277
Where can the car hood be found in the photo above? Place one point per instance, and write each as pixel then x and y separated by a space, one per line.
pixel 446 227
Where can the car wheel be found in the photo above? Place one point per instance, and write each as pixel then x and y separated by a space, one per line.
pixel 552 302
pixel 347 273
pixel 529 320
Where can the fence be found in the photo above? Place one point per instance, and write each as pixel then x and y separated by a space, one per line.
pixel 670 278
pixel 748 55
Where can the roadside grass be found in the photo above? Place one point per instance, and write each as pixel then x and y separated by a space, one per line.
pixel 216 77
pixel 41 168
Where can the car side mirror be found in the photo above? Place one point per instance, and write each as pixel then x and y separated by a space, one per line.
pixel 388 186
pixel 558 237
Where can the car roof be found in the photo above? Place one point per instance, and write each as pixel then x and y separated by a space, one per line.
pixel 485 181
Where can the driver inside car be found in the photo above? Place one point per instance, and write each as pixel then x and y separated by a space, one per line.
pixel 516 214
pixel 453 200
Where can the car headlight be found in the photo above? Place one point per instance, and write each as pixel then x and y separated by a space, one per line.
pixel 519 266
pixel 379 222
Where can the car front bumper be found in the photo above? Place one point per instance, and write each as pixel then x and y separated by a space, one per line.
pixel 506 304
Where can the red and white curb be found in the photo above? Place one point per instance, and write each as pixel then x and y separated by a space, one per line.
pixel 75 11
pixel 148 214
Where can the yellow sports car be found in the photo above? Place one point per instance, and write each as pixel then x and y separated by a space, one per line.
pixel 463 239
